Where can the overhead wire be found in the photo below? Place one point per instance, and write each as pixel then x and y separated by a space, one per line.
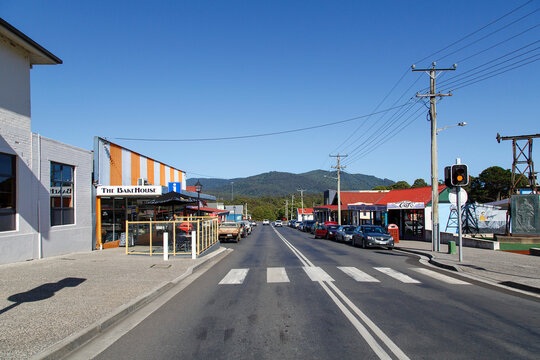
pixel 261 134
pixel 488 35
pixel 475 32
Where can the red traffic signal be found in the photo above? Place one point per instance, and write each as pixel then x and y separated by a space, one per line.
pixel 459 175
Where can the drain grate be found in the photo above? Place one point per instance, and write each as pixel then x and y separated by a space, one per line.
pixel 67 259
pixel 160 266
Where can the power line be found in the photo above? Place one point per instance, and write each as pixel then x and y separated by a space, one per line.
pixel 502 72
pixel 471 78
pixel 376 108
pixel 488 35
pixel 474 32
pixel 263 134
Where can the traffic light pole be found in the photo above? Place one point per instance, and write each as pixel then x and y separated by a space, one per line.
pixel 458 203
pixel 435 241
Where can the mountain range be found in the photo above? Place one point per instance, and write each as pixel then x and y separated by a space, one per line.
pixel 277 183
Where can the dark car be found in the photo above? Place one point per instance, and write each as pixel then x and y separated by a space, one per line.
pixel 308 225
pixel 372 235
pixel 344 233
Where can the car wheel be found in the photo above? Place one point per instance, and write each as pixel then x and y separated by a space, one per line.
pixel 237 239
pixel 391 248
pixel 353 242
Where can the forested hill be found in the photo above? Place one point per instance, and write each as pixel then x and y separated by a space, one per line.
pixel 276 183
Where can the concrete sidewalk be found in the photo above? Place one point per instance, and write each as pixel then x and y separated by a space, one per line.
pixel 499 267
pixel 45 301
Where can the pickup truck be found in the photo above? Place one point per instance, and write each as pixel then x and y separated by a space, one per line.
pixel 230 230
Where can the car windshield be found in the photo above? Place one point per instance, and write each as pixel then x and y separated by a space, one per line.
pixel 374 229
pixel 229 224
pixel 349 229
pixel 332 227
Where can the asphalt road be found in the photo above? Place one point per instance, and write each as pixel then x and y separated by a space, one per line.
pixel 377 304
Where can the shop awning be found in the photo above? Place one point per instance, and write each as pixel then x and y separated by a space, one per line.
pixel 172 198
pixel 209 210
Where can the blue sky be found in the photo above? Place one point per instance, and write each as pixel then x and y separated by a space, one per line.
pixel 209 69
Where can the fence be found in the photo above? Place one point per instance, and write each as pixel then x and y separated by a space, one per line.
pixel 187 236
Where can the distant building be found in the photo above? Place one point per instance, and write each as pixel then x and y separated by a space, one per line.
pixel 304 214
pixel 45 191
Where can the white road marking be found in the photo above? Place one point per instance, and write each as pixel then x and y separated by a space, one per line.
pixel 441 277
pixel 372 342
pixel 276 275
pixel 317 274
pixel 397 275
pixel 357 275
pixel 234 277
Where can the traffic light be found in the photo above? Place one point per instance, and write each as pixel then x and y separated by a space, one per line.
pixel 448 176
pixel 459 175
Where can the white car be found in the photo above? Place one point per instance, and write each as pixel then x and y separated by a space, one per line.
pixel 278 223
pixel 266 222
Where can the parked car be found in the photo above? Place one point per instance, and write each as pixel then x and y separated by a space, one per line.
pixel 278 223
pixel 230 230
pixel 308 225
pixel 247 224
pixel 253 223
pixel 344 233
pixel 244 229
pixel 372 235
pixel 300 225
pixel 266 222
pixel 326 231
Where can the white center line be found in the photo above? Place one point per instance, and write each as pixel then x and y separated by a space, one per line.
pixel 441 277
pixel 397 275
pixel 276 275
pixel 357 274
pixel 234 277
pixel 362 330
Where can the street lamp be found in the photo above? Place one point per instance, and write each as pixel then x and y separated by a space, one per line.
pixel 198 188
pixel 446 127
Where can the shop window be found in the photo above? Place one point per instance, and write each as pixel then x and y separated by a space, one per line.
pixel 7 192
pixel 62 211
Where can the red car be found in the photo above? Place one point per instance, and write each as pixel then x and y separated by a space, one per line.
pixel 326 230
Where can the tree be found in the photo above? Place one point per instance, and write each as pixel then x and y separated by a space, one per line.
pixel 419 183
pixel 492 184
pixel 380 187
pixel 400 185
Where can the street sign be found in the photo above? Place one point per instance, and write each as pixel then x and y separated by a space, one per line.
pixel 452 196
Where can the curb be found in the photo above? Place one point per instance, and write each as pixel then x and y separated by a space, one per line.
pixel 431 260
pixel 508 285
pixel 74 341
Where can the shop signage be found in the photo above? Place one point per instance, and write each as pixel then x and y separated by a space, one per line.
pixel 57 191
pixel 129 190
pixel 405 205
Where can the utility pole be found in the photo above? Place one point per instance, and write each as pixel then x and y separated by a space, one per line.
pixel 292 206
pixel 232 190
pixel 338 167
pixel 287 209
pixel 302 196
pixel 246 212
pixel 432 72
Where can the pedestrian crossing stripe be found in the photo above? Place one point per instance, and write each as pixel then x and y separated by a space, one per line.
pixel 441 277
pixel 397 275
pixel 276 275
pixel 357 275
pixel 279 275
pixel 234 277
pixel 317 274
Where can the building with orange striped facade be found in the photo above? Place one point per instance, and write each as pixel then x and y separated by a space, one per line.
pixel 124 181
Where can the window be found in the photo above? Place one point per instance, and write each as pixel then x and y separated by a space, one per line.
pixel 7 192
pixel 62 194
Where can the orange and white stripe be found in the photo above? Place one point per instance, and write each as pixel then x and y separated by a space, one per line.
pixel 118 166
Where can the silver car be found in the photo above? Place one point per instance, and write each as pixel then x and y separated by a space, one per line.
pixel 372 235
pixel 345 233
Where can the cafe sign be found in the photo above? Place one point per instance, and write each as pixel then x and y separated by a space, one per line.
pixel 405 205
pixel 129 190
